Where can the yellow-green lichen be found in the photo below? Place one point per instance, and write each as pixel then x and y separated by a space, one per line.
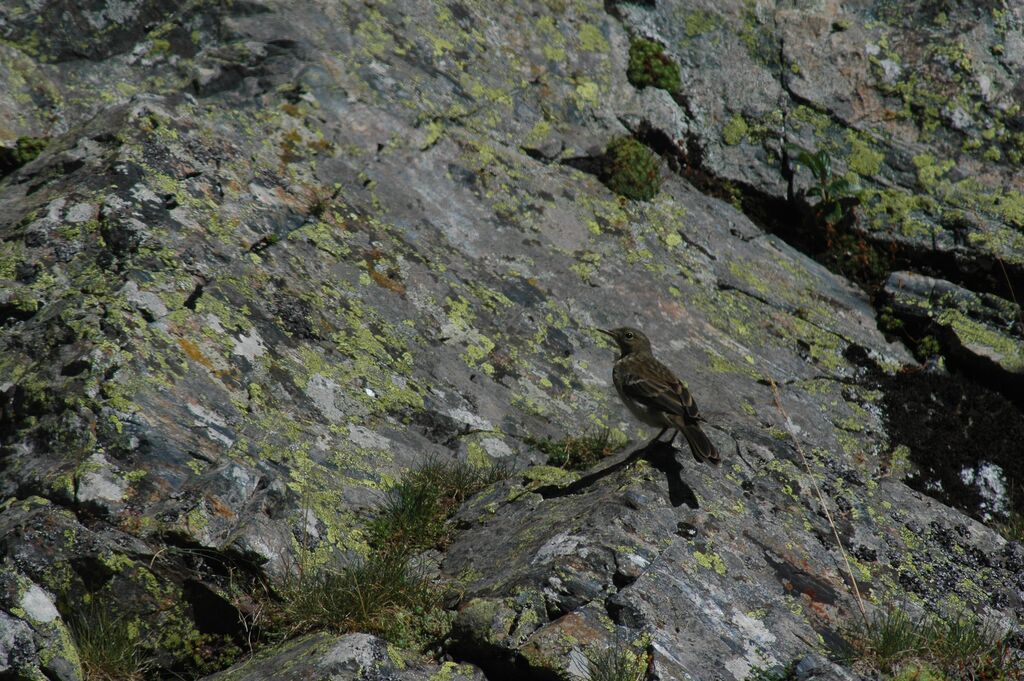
pixel 863 160
pixel 710 560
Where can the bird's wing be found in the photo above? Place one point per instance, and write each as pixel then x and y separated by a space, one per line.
pixel 654 385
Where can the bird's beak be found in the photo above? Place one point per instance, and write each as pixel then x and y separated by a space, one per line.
pixel 607 333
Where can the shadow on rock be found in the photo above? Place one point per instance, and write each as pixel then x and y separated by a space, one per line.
pixel 661 455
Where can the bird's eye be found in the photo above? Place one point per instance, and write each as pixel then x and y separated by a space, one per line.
pixel 629 335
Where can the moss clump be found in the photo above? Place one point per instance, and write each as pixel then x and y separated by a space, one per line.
pixel 631 169
pixel 927 348
pixel 24 150
pixel 853 256
pixel 650 66
pixel 735 130
pixel 888 322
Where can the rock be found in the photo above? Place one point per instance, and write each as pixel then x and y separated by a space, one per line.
pixel 275 255
pixel 978 329
pixel 847 79
pixel 349 657
pixel 817 668
pixel 34 641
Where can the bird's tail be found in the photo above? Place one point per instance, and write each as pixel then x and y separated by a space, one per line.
pixel 700 445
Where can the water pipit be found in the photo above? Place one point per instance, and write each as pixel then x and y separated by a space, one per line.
pixel 653 394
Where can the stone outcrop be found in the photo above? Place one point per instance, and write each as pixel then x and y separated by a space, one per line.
pixel 273 255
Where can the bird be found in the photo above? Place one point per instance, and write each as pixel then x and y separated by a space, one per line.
pixel 653 394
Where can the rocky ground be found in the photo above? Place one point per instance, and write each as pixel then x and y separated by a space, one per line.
pixel 261 259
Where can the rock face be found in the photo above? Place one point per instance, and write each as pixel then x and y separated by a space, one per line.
pixel 276 254
pixel 354 656
pixel 981 329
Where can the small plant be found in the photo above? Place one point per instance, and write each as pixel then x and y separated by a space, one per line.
pixel 831 191
pixel 1013 528
pixel 776 673
pixel 631 169
pixel 106 646
pixel 618 662
pixel 582 451
pixel 415 511
pixel 319 200
pixel 933 647
pixel 650 66
pixel 888 322
pixel 383 593
pixel 927 348
pixel 24 150
pixel 854 257
pixel 890 638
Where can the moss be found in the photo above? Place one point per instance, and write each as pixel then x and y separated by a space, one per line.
pixel 855 257
pixel 25 149
pixel 735 130
pixel 448 671
pixel 631 169
pixel 926 348
pixel 917 672
pixel 888 322
pixel 864 160
pixel 649 66
pixel 699 22
pixel 591 39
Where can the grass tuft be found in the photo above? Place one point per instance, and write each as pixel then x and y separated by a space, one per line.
pixel 381 594
pixel 415 511
pixel 958 647
pixel 106 646
pixel 385 593
pixel 1013 528
pixel 580 452
pixel 617 662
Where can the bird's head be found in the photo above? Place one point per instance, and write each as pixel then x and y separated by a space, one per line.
pixel 629 340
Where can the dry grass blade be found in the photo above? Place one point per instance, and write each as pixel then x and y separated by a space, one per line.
pixel 821 499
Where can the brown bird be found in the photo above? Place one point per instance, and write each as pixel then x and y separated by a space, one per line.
pixel 654 395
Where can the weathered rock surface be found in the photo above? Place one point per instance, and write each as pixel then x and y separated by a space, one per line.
pixel 981 330
pixel 278 253
pixel 918 103
pixel 319 657
pixel 34 642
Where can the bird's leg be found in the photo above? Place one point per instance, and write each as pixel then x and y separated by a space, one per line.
pixel 656 438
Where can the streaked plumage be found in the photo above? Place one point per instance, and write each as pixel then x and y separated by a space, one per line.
pixel 653 394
